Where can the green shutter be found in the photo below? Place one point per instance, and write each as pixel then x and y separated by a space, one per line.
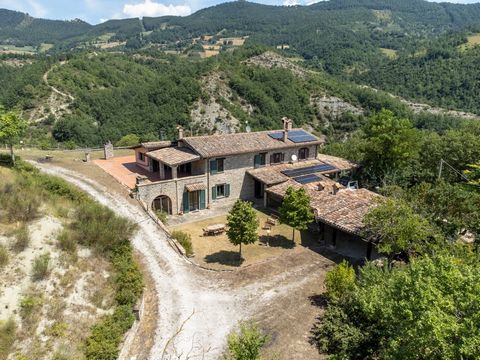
pixel 227 190
pixel 213 166
pixel 256 161
pixel 214 193
pixel 202 199
pixel 186 207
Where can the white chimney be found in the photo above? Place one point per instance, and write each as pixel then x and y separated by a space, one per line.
pixel 180 132
pixel 287 126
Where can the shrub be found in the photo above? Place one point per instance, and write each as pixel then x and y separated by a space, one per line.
pixel 66 242
pixel 19 202
pixel 100 228
pixel 7 337
pixel 106 336
pixel 29 306
pixel 340 280
pixel 40 268
pixel 185 239
pixel 22 238
pixel 247 343
pixel 3 256
pixel 128 140
pixel 128 278
pixel 162 216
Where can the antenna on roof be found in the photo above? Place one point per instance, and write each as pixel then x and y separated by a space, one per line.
pixel 247 127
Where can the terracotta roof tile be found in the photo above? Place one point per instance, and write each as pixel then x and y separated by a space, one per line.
pixel 345 210
pixel 239 143
pixel 153 145
pixel 174 156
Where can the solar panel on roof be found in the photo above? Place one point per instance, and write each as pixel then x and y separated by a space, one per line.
pixel 276 135
pixel 296 136
pixel 306 179
pixel 308 170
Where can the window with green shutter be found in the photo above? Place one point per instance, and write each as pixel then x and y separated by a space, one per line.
pixel 213 166
pixel 214 193
pixel 186 205
pixel 202 199
pixel 259 160
pixel 227 190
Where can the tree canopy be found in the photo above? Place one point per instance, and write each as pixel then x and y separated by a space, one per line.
pixel 242 224
pixel 296 210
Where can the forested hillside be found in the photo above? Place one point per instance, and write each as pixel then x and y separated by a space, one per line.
pixel 107 96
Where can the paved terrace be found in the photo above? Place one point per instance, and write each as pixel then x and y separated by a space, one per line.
pixel 125 170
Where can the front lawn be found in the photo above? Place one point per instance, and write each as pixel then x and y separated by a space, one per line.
pixel 218 253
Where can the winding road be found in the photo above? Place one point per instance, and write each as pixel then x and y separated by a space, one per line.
pixel 198 308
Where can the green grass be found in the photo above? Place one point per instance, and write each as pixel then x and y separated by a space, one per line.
pixel 44 47
pixel 17 49
pixel 390 53
pixel 472 41
pixel 7 337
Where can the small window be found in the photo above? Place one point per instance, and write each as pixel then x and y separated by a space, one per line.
pixel 303 153
pixel 220 191
pixel 259 160
pixel 220 165
pixel 216 166
pixel 141 156
pixel 277 158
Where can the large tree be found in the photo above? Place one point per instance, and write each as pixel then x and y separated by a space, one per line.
pixel 242 224
pixel 396 228
pixel 295 210
pixel 391 147
pixel 12 128
pixel 427 309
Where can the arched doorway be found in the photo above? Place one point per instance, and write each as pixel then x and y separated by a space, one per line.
pixel 162 203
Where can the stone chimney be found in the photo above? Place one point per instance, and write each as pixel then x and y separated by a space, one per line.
pixel 180 133
pixel 287 126
pixel 108 150
pixel 335 189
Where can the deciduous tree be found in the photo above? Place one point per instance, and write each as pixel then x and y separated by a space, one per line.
pixel 12 128
pixel 247 343
pixel 242 224
pixel 295 210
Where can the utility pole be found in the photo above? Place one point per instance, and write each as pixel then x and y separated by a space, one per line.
pixel 440 169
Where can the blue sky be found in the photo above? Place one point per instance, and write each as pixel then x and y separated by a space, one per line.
pixel 95 11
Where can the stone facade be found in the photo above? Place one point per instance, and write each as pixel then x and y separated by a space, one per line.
pixel 235 166
pixel 173 188
pixel 145 164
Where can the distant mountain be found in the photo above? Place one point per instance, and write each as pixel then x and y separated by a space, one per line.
pixel 345 35
pixel 17 28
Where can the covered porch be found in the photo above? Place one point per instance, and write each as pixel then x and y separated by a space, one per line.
pixel 176 162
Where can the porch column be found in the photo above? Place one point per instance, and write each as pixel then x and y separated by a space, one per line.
pixel 162 170
pixel 174 172
pixel 334 237
pixel 321 225
pixel 265 201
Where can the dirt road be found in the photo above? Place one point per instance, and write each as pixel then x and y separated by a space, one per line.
pixel 198 308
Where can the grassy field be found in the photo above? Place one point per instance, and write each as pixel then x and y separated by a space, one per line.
pixel 44 47
pixel 11 49
pixel 473 40
pixel 390 53
pixel 217 252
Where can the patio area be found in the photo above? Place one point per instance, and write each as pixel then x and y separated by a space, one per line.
pixel 217 252
pixel 125 170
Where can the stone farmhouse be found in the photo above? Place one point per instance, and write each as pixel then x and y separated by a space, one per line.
pixel 202 172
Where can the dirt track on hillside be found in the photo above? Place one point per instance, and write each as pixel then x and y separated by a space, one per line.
pixel 198 308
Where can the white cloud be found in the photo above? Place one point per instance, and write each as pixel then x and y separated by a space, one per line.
pixel 291 2
pixel 152 8
pixel 37 9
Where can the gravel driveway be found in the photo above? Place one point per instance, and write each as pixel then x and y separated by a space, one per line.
pixel 198 308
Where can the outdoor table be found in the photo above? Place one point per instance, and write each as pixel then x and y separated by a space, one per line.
pixel 214 229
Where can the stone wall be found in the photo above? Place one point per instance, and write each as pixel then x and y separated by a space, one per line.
pixel 144 164
pixel 241 185
pixel 173 188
